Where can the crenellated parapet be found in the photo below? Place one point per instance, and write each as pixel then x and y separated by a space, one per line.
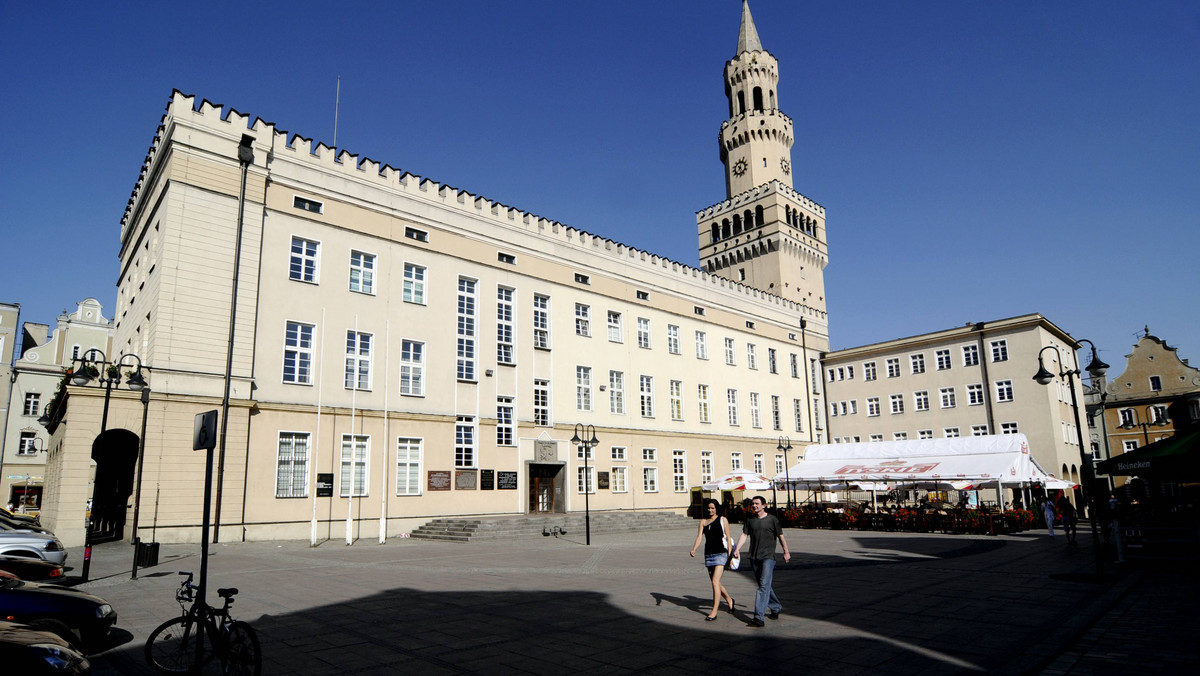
pixel 282 145
pixel 734 203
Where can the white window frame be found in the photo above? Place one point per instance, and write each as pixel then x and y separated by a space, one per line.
pixel 465 453
pixel 615 333
pixel 735 461
pixel 921 400
pixel 893 367
pixel 706 466
pixel 291 464
pixel 33 402
pixel 672 339
pixel 583 320
pixel 944 362
pixel 1004 390
pixel 541 321
pixel 948 397
pixel 730 356
pixel 618 479
pixel 701 345
pixel 975 394
pixel 300 351
pixel 679 470
pixel 412 368
pixel 619 453
pixel 676 394
pixel 505 422
pixel 731 400
pixel 355 453
pixel 414 283
pixel 505 325
pixel 869 371
pixel 916 363
pixel 702 402
pixel 643 333
pixel 362 272
pixel 409 453
pixel 751 356
pixel 999 350
pixel 541 402
pixel 872 406
pixel 585 473
pixel 466 330
pixel 970 355
pixel 583 388
pixel 304 265
pixel 616 392
pixel 358 360
pixel 897 403
pixel 649 479
pixel 646 396
pixel 755 418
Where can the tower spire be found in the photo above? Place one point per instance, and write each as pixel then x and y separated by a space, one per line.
pixel 748 35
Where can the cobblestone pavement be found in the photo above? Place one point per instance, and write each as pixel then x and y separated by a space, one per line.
pixel 854 603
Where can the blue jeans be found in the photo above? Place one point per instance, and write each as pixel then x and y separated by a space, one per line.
pixel 765 599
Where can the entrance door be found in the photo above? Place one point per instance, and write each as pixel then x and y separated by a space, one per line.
pixel 115 456
pixel 544 487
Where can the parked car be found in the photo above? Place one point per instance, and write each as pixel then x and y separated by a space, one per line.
pixel 25 525
pixel 29 652
pixel 81 618
pixel 17 516
pixel 31 545
pixel 29 568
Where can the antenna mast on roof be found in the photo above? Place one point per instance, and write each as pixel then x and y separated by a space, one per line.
pixel 337 99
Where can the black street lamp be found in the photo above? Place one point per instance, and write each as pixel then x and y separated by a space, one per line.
pixel 785 445
pixel 1154 418
pixel 107 374
pixel 1096 369
pixel 137 498
pixel 586 443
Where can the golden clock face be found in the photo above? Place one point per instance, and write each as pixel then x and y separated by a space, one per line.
pixel 739 167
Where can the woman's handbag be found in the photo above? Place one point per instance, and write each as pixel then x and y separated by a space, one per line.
pixel 734 562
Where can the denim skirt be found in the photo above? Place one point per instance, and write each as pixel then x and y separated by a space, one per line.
pixel 718 559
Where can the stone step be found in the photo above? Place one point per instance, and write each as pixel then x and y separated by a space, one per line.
pixel 467 529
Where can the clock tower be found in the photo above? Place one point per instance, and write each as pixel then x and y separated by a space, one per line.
pixel 765 234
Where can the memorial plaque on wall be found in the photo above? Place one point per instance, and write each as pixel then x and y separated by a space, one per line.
pixel 602 480
pixel 325 485
pixel 506 481
pixel 439 480
pixel 465 480
pixel 545 450
pixel 487 479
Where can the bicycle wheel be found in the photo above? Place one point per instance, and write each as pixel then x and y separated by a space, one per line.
pixel 244 657
pixel 171 648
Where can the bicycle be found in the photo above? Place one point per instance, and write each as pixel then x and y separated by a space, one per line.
pixel 172 646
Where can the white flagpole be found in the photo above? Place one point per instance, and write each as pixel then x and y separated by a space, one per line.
pixel 353 440
pixel 383 467
pixel 312 538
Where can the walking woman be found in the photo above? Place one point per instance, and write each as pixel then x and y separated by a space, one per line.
pixel 714 533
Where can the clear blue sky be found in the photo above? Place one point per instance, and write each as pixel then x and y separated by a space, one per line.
pixel 978 160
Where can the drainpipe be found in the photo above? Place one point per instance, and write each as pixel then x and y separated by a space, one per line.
pixel 987 390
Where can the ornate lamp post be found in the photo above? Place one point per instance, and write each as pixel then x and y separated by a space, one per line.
pixel 1154 418
pixel 586 443
pixel 785 445
pixel 1095 368
pixel 108 375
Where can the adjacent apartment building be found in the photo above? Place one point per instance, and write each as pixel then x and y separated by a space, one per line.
pixel 976 379
pixel 403 349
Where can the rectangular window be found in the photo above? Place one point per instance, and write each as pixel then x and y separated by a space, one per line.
pixel 702 401
pixel 798 414
pixel 779 464
pixel 759 463
pixel 776 421
pixel 947 397
pixel 464 441
pixel 1004 390
pixel 419 235
pixel 291 465
pixel 33 402
pixel 504 422
pixel 970 355
pixel 414 284
pixel 924 434
pixel 305 204
pixel 979 430
pixel 506 258
pixel 999 350
pixel 585 479
pixel 617 480
pixel 917 362
pixel 298 353
pixel 897 403
pixel 1129 445
pixel 893 368
pixel 583 320
pixel 735 461
pixel 354 465
pixel 679 470
pixel 362 272
pixel 412 368
pixel 771 367
pixel 541 322
pixel 505 352
pixel 751 356
pixel 643 295
pixel 27 445
pixel 466 330
pixel 1155 384
pixel 921 400
pixel 795 364
pixel 358 360
pixel 650 479
pixel 646 394
pixel 706 466
pixel 975 394
pixel 303 266
pixel 1125 415
pixel 676 400
pixel 872 406
pixel 643 333
pixel 672 339
pixel 876 437
pixel 729 356
pixel 869 371
pixel 616 392
pixel 408 466
pixel 755 420
pixel 943 361
pixel 649 455
pixel 583 388
pixel 541 402
pixel 615 334
pixel 731 397
pixel 619 453
pixel 950 432
pixel 582 279
pixel 1008 428
pixel 900 436
pixel 701 345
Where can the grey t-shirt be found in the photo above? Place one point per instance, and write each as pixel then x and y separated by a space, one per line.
pixel 763 534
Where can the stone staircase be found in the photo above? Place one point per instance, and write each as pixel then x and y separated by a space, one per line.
pixel 537 525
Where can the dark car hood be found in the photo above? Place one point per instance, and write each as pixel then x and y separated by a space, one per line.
pixel 64 593
pixel 11 632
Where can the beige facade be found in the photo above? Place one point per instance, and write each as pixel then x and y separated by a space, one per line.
pixel 36 379
pixel 1156 395
pixel 972 380
pixel 429 349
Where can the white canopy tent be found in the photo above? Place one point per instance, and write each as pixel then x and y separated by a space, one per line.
pixel 999 459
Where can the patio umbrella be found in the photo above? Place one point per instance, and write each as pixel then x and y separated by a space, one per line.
pixel 739 481
pixel 1176 458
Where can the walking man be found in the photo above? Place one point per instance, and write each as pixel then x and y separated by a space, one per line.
pixel 763 529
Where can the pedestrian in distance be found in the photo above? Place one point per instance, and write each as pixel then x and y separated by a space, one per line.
pixel 1048 513
pixel 1069 518
pixel 763 529
pixel 714 533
